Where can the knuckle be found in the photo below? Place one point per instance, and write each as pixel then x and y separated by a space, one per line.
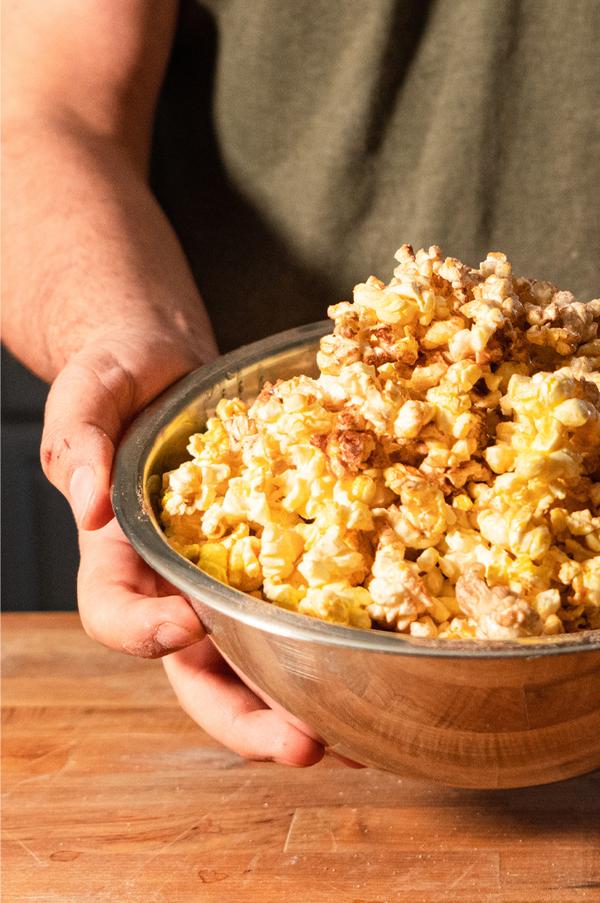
pixel 143 646
pixel 104 369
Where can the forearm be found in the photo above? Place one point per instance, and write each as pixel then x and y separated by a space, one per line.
pixel 87 249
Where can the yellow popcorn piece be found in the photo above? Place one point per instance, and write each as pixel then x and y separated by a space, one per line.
pixel 230 407
pixel 331 558
pixel 500 457
pixel 424 628
pixel 280 548
pixel 547 603
pixel 439 478
pixel 434 582
pixel 391 305
pixel 412 417
pixel 213 560
pixel 243 567
pixel 338 603
pixel 286 594
pixel 428 559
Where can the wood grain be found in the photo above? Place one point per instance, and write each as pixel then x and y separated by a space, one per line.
pixel 112 794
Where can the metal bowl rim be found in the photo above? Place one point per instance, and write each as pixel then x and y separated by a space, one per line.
pixel 137 521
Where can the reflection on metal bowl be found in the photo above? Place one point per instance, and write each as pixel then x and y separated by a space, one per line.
pixel 468 713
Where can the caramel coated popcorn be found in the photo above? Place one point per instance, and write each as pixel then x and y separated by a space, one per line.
pixel 441 477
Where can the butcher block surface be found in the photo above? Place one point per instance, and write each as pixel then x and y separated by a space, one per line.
pixel 111 793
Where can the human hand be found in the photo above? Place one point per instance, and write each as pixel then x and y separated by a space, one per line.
pixel 123 603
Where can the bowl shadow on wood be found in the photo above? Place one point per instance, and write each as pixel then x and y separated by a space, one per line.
pixel 563 808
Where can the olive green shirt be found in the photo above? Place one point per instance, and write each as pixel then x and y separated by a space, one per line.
pixel 300 142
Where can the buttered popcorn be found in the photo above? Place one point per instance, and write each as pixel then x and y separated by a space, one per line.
pixel 441 477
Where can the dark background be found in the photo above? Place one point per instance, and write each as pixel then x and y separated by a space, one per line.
pixel 39 540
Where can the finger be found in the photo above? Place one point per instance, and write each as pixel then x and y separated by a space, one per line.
pixel 291 719
pixel 124 604
pixel 82 423
pixel 225 708
pixel 272 704
pixel 91 401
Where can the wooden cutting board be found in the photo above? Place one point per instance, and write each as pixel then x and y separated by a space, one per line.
pixel 112 794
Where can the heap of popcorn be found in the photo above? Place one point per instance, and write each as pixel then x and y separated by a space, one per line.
pixel 441 477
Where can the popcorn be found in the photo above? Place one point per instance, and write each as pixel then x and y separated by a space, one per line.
pixel 339 603
pixel 243 567
pixel 213 560
pixel 286 595
pixel 441 477
pixel 280 548
pixel 332 558
pixel 399 594
pixel 497 613
pixel 411 418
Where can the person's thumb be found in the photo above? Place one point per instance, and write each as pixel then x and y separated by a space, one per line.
pixel 90 403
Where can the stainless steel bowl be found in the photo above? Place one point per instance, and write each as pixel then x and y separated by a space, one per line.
pixel 472 714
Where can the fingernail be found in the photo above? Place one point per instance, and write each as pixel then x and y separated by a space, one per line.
pixel 171 636
pixel 81 491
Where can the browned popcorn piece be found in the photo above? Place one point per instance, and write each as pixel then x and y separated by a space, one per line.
pixel 498 613
pixel 564 324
